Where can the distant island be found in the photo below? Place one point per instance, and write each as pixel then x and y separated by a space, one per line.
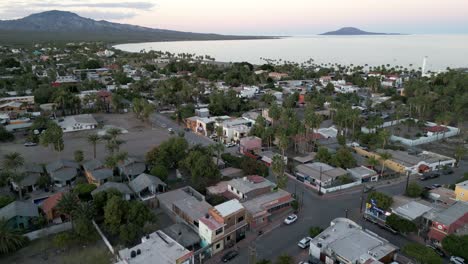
pixel 352 31
pixel 62 26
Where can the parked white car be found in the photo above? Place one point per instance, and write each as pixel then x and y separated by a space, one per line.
pixel 290 219
pixel 305 242
pixel 457 260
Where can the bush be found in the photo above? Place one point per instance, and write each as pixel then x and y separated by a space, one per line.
pixel 400 224
pixel 5 136
pixel 84 190
pixel 160 171
pixel 383 201
pixel 63 240
pixel 456 245
pixel 295 205
pixel 5 200
pixel 422 254
pixel 414 190
pixel 315 231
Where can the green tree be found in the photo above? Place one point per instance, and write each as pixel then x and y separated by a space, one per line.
pixel 382 200
pixel 160 171
pixel 421 253
pixel 218 149
pixel 460 152
pixel 83 191
pixel 414 190
pixel 12 162
pixel 202 169
pixel 456 245
pixel 323 155
pixel 10 240
pixel 315 231
pixel 114 212
pixel 344 158
pixel 263 261
pixel 53 136
pixel 67 204
pixel 93 139
pixel 278 167
pixel 78 156
pixel 400 224
pixel 5 136
pixel 83 215
pixel 384 157
pixel 284 259
pixel 372 161
pixel 6 200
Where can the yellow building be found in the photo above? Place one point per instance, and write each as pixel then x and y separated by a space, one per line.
pixel 461 191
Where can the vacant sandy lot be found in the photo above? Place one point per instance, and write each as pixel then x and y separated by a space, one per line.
pixel 139 140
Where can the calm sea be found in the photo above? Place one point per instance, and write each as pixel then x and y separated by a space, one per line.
pixel 442 51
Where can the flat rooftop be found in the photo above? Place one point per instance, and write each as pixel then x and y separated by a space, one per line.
pixel 349 241
pixel 248 184
pixel 263 202
pixel 229 207
pixel 412 210
pixel 158 247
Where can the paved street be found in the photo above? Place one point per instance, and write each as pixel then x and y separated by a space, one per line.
pixel 320 210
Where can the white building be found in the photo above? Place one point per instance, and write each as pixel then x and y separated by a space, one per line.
pixel 234 129
pixel 156 248
pixel 78 123
pixel 249 91
pixel 348 243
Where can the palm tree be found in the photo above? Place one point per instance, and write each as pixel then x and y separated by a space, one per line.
pixel 12 162
pixel 372 161
pixel 384 136
pixel 383 158
pixel 460 151
pixel 85 210
pixel 10 240
pixel 67 204
pixel 93 139
pixel 278 167
pixel 218 148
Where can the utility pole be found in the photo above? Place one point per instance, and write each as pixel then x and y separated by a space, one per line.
pixel 252 254
pixel 407 180
pixel 320 183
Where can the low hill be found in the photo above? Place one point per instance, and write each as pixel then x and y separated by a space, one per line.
pixel 62 26
pixel 352 31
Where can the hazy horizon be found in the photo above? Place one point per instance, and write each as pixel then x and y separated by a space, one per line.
pixel 264 17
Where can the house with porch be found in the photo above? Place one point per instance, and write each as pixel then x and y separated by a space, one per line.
pixel 96 173
pixel 62 172
pixel 19 214
pixel 127 193
pixel 131 167
pixel 147 186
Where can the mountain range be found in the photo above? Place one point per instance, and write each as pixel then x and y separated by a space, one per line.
pixel 352 31
pixel 63 26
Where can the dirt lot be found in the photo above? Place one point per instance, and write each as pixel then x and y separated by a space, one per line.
pixel 141 137
pixel 43 251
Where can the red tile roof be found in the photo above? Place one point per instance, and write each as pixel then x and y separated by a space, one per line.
pixel 436 129
pixel 51 202
pixel 256 178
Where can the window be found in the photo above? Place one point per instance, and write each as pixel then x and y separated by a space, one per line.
pixel 240 219
pixel 228 238
pixel 218 245
pixel 219 231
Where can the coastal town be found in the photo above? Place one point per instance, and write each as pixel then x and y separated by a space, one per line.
pixel 115 157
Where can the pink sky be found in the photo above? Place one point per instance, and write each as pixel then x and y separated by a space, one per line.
pixel 265 16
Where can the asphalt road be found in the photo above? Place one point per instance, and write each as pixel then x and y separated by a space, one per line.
pixel 320 210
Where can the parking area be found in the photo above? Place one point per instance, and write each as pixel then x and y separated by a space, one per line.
pixel 141 138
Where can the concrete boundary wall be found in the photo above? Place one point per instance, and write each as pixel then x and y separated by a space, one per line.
pixel 48 231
